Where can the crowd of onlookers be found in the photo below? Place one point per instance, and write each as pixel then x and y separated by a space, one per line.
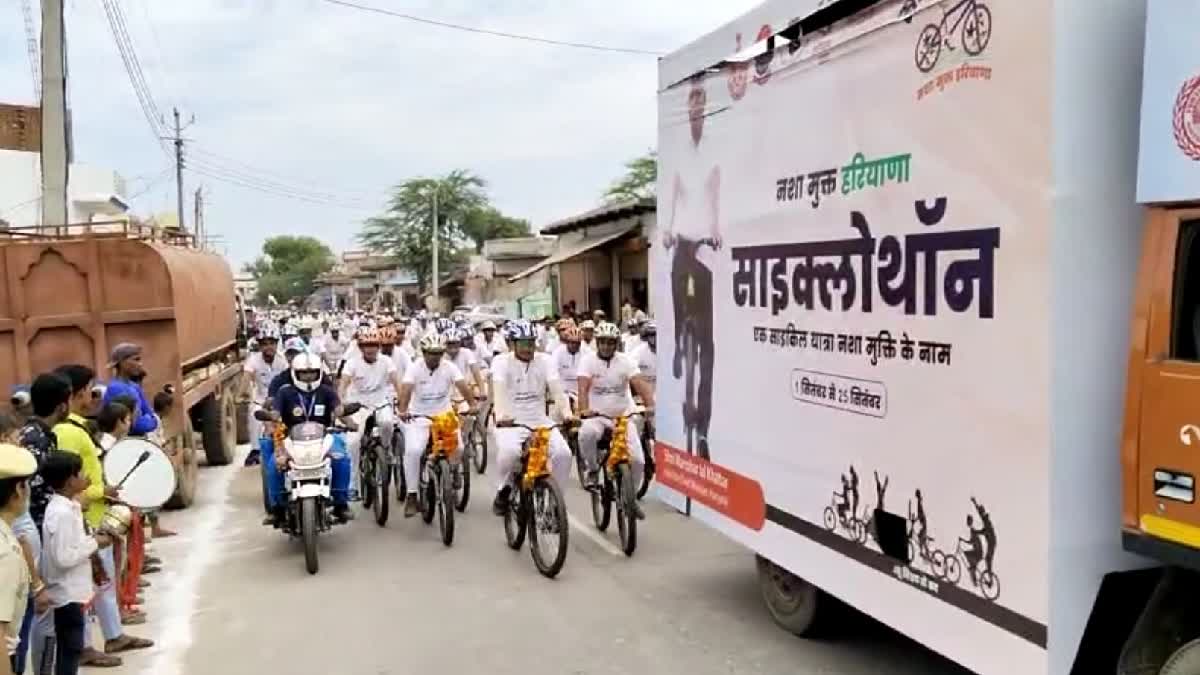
pixel 61 565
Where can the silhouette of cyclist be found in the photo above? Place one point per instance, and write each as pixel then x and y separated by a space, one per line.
pixel 695 199
pixel 844 502
pixel 922 525
pixel 880 490
pixel 975 553
pixel 988 531
pixel 853 492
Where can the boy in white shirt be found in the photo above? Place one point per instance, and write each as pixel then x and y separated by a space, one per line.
pixel 425 391
pixel 67 557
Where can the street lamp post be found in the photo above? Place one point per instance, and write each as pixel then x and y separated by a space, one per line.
pixel 436 243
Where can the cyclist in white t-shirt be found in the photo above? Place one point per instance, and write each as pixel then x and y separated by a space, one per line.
pixel 566 358
pixel 425 390
pixel 605 380
pixel 260 368
pixel 488 344
pixel 371 379
pixel 523 380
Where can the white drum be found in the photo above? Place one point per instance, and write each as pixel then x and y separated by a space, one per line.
pixel 142 471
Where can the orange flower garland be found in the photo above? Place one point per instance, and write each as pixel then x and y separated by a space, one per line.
pixel 539 453
pixel 445 433
pixel 618 449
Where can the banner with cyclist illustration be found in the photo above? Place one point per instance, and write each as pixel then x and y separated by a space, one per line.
pixel 852 266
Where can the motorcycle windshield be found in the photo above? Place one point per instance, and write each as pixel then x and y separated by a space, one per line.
pixel 307 431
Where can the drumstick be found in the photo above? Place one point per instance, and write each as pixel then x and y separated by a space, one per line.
pixel 140 461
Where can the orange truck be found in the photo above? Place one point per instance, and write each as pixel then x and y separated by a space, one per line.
pixel 71 299
pixel 928 300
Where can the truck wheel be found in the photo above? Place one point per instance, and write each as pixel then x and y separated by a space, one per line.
pixel 1185 660
pixel 794 603
pixel 218 426
pixel 243 424
pixel 187 470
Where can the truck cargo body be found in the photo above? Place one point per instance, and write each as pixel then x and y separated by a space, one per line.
pixel 919 309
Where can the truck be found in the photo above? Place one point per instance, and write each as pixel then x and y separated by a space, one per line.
pixel 928 291
pixel 72 297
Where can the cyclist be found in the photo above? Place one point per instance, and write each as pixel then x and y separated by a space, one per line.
pixel 605 380
pixel 371 380
pixel 567 358
pixel 306 398
pixel 646 352
pixel 333 348
pixel 989 532
pixel 487 344
pixel 853 492
pixel 425 390
pixel 259 370
pixel 843 499
pixel 464 359
pixel 922 522
pixel 524 381
pixel 973 548
pixel 588 330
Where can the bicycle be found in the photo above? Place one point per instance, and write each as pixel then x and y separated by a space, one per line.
pixel 975 21
pixel 986 580
pixel 616 484
pixel 469 422
pixel 435 489
pixel 375 469
pixel 648 450
pixel 690 348
pixel 477 441
pixel 933 557
pixel 536 505
pixel 854 526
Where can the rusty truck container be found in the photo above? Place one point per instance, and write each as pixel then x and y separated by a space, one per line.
pixel 72 299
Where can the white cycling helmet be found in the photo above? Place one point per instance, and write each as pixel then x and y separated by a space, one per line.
pixel 295 344
pixel 454 335
pixel 268 331
pixel 487 325
pixel 433 343
pixel 608 330
pixel 443 325
pixel 306 372
pixel 588 325
pixel 520 329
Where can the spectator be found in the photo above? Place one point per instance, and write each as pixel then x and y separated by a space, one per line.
pixel 114 420
pixel 16 467
pixel 50 402
pixel 626 312
pixel 68 553
pixel 22 404
pixel 10 431
pixel 75 437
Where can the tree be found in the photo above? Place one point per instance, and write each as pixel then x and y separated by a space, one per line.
pixel 289 267
pixel 485 223
pixel 465 219
pixel 639 181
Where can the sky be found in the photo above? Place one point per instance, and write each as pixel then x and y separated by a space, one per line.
pixel 341 104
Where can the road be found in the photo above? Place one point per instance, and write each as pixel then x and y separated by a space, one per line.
pixel 235 599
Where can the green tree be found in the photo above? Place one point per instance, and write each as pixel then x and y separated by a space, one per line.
pixel 465 219
pixel 639 181
pixel 487 222
pixel 289 266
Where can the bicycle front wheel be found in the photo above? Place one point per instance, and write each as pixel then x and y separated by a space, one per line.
pixel 366 483
pixel 548 532
pixel 463 494
pixel 384 480
pixel 444 496
pixel 989 583
pixel 647 471
pixel 602 502
pixel 626 499
pixel 479 439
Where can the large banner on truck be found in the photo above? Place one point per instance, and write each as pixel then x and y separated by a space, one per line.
pixel 850 280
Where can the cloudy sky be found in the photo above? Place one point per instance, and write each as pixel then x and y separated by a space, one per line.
pixel 340 104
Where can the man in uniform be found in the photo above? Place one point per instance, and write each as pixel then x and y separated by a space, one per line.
pixel 17 465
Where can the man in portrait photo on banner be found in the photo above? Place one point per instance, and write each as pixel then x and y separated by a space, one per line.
pixel 692 226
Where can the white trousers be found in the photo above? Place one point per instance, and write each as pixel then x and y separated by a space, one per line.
pixel 589 441
pixel 416 438
pixel 510 441
pixel 385 420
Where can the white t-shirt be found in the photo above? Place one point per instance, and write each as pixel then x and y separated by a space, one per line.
pixel 333 351
pixel 486 351
pixel 610 393
pixel 527 386
pixel 630 342
pixel 370 383
pixel 264 372
pixel 431 390
pixel 567 366
pixel 463 360
pixel 646 361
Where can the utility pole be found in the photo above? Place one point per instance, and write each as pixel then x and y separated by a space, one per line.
pixel 436 241
pixel 198 219
pixel 179 172
pixel 56 145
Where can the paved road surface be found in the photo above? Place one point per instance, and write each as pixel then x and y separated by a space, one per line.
pixel 235 599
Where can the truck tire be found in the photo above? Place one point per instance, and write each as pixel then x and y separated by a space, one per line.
pixel 796 605
pixel 187 471
pixel 217 419
pixel 243 424
pixel 1185 660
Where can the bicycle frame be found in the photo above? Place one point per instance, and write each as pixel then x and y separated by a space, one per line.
pixel 962 16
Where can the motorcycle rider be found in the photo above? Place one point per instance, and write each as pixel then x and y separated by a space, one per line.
pixel 523 380
pixel 605 380
pixel 371 379
pixel 291 349
pixel 307 398
pixel 425 390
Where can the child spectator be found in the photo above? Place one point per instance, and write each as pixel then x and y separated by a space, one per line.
pixel 114 420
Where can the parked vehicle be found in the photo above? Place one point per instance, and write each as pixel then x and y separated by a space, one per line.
pixel 924 250
pixel 73 298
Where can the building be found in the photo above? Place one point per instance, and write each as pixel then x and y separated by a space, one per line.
pixel 361 280
pixel 489 275
pixel 94 194
pixel 600 258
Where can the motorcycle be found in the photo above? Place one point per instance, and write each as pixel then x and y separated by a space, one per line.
pixel 308 482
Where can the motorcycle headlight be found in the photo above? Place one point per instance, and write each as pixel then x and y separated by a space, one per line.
pixel 307 453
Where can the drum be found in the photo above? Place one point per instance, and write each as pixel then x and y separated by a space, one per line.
pixel 142 471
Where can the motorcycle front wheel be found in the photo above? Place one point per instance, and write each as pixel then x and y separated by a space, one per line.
pixel 308 532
